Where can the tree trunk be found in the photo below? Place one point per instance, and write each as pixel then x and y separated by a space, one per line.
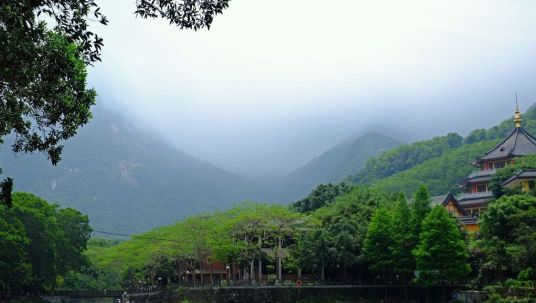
pixel 252 270
pixel 201 273
pixel 260 261
pixel 299 273
pixel 260 269
pixel 210 272
pixel 322 272
pixel 278 257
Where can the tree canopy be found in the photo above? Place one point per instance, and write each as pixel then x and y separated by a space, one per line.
pixel 39 243
pixel 441 255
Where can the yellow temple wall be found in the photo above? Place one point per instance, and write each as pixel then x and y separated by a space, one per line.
pixel 471 227
pixel 525 186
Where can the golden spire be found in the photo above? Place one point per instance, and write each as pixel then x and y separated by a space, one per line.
pixel 517 117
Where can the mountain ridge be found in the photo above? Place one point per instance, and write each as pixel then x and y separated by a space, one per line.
pixel 127 178
pixel 335 164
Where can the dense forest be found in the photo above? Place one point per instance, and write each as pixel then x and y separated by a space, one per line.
pixel 440 163
pixel 362 236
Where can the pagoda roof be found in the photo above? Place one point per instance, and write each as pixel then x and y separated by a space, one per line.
pixel 518 143
pixel 523 174
pixel 475 199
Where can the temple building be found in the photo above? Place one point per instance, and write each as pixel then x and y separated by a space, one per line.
pixel 476 186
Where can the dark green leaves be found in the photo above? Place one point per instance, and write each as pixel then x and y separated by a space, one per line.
pixel 6 187
pixel 441 254
pixel 189 14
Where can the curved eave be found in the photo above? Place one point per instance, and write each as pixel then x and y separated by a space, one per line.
pixel 511 151
pixel 480 160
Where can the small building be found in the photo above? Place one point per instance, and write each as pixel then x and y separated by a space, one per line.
pixel 477 192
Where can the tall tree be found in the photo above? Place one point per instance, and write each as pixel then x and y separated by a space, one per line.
pixel 282 224
pixel 404 262
pixel 15 269
pixel 313 251
pixel 73 234
pixel 379 243
pixel 38 218
pixel 419 209
pixel 441 254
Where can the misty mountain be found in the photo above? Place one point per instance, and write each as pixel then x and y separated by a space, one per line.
pixel 126 177
pixel 335 164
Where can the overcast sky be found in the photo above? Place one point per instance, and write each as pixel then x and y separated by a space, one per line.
pixel 276 82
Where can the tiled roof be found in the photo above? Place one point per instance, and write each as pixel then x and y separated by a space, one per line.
pixel 527 173
pixel 518 143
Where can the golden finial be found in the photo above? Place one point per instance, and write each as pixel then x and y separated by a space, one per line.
pixel 517 115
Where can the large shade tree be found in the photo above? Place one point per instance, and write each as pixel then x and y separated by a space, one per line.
pixel 44 97
pixel 508 231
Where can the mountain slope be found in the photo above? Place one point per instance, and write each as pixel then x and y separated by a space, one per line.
pixel 335 164
pixel 126 178
pixel 440 171
pixel 407 156
pixel 440 174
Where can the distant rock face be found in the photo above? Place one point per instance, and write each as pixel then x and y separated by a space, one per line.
pixel 126 178
pixel 335 164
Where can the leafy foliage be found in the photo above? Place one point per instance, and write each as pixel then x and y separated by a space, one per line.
pixel 239 236
pixel 380 242
pixel 191 14
pixel 508 230
pixel 404 240
pixel 42 242
pixel 441 174
pixel 321 196
pixel 420 208
pixel 406 156
pixel 441 255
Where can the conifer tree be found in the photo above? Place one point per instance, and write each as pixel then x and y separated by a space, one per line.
pixel 379 243
pixel 404 262
pixel 441 255
pixel 419 209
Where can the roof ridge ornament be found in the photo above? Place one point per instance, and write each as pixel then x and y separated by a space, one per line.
pixel 517 115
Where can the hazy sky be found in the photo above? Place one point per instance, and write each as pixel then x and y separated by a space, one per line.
pixel 274 83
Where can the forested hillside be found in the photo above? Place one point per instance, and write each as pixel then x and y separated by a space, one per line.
pixel 440 174
pixel 441 163
pixel 335 164
pixel 213 236
pixel 406 156
pixel 126 178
